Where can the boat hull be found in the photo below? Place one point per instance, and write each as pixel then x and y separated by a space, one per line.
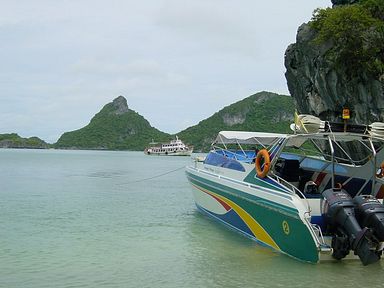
pixel 267 222
pixel 175 153
pixel 173 148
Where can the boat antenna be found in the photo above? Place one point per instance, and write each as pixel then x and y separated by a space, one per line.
pixel 333 161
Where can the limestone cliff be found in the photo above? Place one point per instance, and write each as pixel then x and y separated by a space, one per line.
pixel 323 79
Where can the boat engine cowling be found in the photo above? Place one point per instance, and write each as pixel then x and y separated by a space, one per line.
pixel 370 213
pixel 339 212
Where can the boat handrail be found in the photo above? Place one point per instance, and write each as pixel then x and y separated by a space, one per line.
pixel 293 190
pixel 316 232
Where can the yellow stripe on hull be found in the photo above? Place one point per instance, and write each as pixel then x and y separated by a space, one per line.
pixel 253 225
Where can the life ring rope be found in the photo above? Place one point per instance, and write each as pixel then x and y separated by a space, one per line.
pixel 262 155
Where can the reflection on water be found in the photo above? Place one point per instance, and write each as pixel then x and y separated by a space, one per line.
pixel 88 219
pixel 229 259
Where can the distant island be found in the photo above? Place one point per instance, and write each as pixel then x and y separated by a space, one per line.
pixel 263 112
pixel 117 127
pixel 13 140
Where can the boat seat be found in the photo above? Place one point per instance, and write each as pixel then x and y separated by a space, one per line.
pixel 289 169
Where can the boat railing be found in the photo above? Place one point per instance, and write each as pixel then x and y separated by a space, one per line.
pixel 293 190
pixel 315 230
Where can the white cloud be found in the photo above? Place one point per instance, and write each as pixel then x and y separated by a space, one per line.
pixel 63 60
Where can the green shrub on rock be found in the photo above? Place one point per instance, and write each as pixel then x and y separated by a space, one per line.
pixel 357 36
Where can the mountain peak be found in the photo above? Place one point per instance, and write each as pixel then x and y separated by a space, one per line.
pixel 114 127
pixel 120 105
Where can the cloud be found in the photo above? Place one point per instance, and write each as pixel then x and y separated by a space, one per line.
pixel 210 25
pixel 63 60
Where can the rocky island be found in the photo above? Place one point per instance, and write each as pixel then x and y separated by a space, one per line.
pixel 115 127
pixel 13 140
pixel 338 62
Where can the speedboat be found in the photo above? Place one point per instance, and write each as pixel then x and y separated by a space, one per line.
pixel 175 147
pixel 316 194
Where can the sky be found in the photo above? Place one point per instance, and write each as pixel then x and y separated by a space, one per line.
pixel 176 62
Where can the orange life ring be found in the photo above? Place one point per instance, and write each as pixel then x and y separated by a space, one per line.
pixel 262 154
pixel 380 172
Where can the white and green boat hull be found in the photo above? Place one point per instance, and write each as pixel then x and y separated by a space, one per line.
pixel 263 212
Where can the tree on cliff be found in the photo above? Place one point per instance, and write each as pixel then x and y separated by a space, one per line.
pixel 356 33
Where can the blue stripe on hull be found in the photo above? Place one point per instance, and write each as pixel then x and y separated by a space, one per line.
pixel 230 218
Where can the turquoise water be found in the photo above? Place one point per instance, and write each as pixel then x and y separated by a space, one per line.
pixel 96 219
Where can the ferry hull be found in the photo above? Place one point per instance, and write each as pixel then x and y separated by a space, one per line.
pixel 264 221
pixel 173 148
pixel 176 153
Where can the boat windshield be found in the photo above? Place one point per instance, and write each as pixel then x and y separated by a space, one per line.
pixel 344 148
pixel 354 151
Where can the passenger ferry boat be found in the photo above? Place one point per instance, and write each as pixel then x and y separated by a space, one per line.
pixel 314 195
pixel 174 148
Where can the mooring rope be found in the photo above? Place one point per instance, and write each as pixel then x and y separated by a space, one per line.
pixel 155 176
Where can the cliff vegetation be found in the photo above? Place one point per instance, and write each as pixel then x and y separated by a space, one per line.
pixel 355 33
pixel 263 111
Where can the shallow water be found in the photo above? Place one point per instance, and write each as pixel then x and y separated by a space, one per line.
pixel 123 219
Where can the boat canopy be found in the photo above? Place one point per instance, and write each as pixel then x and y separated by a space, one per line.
pixel 293 140
pixel 244 137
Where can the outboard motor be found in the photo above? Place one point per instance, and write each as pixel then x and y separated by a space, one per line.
pixel 339 211
pixel 370 213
